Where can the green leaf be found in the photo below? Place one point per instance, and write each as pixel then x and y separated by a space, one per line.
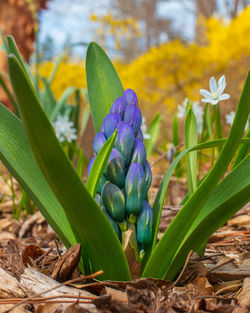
pixel 153 131
pixel 16 155
pixel 55 67
pixel 99 165
pixel 104 85
pixel 7 91
pixel 47 98
pixel 89 223
pixel 228 197
pixel 13 49
pixel 61 102
pixel 190 138
pixel 242 152
pixel 175 131
pixel 158 264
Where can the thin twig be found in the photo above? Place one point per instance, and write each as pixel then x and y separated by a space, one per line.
pixel 43 255
pixel 164 155
pixel 56 287
pixel 219 265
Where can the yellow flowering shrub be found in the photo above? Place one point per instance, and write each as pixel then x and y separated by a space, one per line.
pixel 164 76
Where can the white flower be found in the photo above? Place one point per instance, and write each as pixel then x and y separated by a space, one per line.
pixel 171 152
pixel 64 129
pixel 216 91
pixel 230 119
pixel 144 129
pixel 198 112
pixel 182 108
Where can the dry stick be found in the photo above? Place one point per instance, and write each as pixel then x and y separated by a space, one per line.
pixel 43 255
pixel 219 265
pixel 60 285
pixel 180 275
pixel 165 154
pixel 2 301
pixel 208 297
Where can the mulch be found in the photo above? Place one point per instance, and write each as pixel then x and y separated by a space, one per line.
pixel 219 281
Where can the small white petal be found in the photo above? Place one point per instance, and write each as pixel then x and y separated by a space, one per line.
pixel 206 94
pixel 215 101
pixel 207 100
pixel 225 96
pixel 220 89
pixel 146 136
pixel 212 84
pixel 222 81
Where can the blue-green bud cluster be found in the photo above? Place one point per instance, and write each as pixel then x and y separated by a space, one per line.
pixel 122 191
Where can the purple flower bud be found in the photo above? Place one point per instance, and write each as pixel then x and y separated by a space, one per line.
pixel 119 106
pixel 102 128
pixel 90 165
pixel 135 188
pixel 140 134
pixel 125 140
pixel 112 222
pixel 145 224
pixel 110 123
pixel 99 141
pixel 133 117
pixel 148 175
pixel 115 170
pixel 139 152
pixel 114 201
pixel 131 97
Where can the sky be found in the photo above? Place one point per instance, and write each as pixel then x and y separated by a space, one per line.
pixel 67 19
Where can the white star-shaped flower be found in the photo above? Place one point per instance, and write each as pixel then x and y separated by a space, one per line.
pixel 216 91
pixel 64 129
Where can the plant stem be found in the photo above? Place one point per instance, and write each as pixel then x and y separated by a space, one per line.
pixel 133 240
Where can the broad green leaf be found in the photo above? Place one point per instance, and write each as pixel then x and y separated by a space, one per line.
pixel 190 138
pixel 175 131
pixel 99 165
pixel 8 93
pixel 153 131
pixel 16 155
pixel 13 49
pixel 177 230
pixel 159 200
pixel 89 223
pixel 61 102
pixel 104 85
pixel 47 98
pixel 242 152
pixel 228 197
pixel 55 68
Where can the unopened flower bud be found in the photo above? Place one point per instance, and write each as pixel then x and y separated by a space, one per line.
pixel 115 170
pixel 133 117
pixel 110 123
pixel 114 201
pixel 99 141
pixel 135 188
pixel 131 97
pixel 148 175
pixel 144 224
pixel 139 152
pixel 118 106
pixel 125 140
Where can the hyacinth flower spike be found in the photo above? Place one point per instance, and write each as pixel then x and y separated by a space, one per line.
pixel 127 176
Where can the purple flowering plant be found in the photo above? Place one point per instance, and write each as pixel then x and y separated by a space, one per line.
pixel 115 197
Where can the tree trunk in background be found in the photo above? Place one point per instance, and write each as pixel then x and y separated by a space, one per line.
pixel 204 9
pixel 17 19
pixel 152 26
